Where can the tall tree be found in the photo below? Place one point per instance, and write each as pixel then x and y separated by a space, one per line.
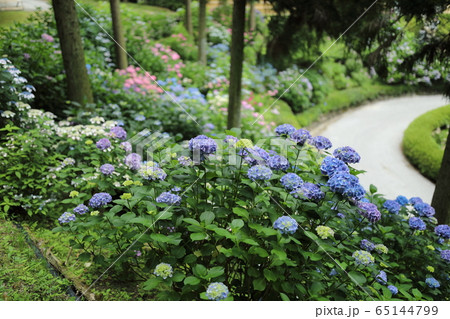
pixel 441 196
pixel 202 32
pixel 119 39
pixel 252 16
pixel 237 59
pixel 188 18
pixel 78 86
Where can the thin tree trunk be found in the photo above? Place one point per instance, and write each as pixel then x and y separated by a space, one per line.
pixel 202 32
pixel 252 16
pixel 237 58
pixel 120 45
pixel 441 196
pixel 78 86
pixel 188 17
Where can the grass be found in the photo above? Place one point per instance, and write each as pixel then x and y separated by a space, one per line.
pixel 8 18
pixel 419 144
pixel 23 276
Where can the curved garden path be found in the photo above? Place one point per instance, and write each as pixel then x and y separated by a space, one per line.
pixel 375 131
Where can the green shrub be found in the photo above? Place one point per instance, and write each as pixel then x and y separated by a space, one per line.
pixel 420 147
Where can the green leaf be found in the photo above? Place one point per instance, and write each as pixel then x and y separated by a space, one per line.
pixel 261 252
pixel 178 276
pixel 178 252
pixel 311 235
pixel 200 270
pixel 358 277
pixel 259 284
pixel 241 212
pixel 191 221
pixel 84 257
pixel 284 297
pixel 103 241
pixel 316 288
pixel 417 293
pixel 164 215
pixel 250 241
pixel 152 283
pixel 373 189
pixel 198 236
pixel 237 224
pixel 215 272
pixel 116 209
pixel 192 281
pixel 207 217
pixel 270 276
pixel 279 253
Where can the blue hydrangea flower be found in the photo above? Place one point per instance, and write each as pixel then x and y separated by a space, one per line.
pixel 333 272
pixel 309 191
pixel 321 142
pixel 367 245
pixel 332 165
pixel 363 257
pixel 432 283
pixel 99 200
pixel 417 223
pixel 118 132
pixel 139 118
pixel 185 161
pixel 424 209
pixel 66 218
pixel 126 146
pixel 203 144
pixel 415 200
pixel 445 254
pixel 133 161
pixel 402 200
pixel 163 270
pixel 347 154
pixel 442 231
pixel 340 215
pixel 230 139
pixel 286 225
pixel 393 289
pixel 357 192
pixel 284 129
pixel 259 172
pixel 81 209
pixel 341 182
pixel 369 211
pixel 176 189
pixel 152 172
pixel 291 181
pixel 392 206
pixel 103 144
pixel 381 277
pixel 278 162
pixel 169 198
pixel 107 169
pixel 217 291
pixel 300 136
pixel 257 156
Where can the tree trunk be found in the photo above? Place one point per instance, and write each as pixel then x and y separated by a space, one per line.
pixel 78 86
pixel 120 46
pixel 188 17
pixel 237 57
pixel 252 16
pixel 441 196
pixel 202 32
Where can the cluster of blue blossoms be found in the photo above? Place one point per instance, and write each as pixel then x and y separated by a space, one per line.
pixel 107 169
pixel 81 209
pixel 202 144
pixel 291 181
pixel 100 199
pixel 169 199
pixel 217 291
pixel 442 231
pixel 309 191
pixel 278 162
pixel 369 211
pixel 432 282
pixel 286 225
pixel 347 154
pixel 103 144
pixel 382 277
pixel 133 161
pixel 332 165
pixel 424 209
pixel 417 223
pixel 367 245
pixel 259 173
pixel 118 132
pixel 66 218
pixel 392 206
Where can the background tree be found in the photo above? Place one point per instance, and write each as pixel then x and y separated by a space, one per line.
pixel 120 45
pixel 188 18
pixel 202 32
pixel 237 57
pixel 252 16
pixel 78 86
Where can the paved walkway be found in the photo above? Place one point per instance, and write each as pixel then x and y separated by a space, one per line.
pixel 33 5
pixel 375 131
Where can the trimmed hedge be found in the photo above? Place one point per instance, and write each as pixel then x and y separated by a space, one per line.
pixel 418 144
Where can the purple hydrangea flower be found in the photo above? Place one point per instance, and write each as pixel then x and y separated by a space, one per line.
pixel 356 192
pixel 107 169
pixel 278 162
pixel 331 165
pixel 445 254
pixel 442 231
pixel 392 206
pixel 300 136
pixel 259 172
pixel 169 199
pixel 369 211
pixel 176 189
pixel 340 215
pixel 402 200
pixel 417 223
pixel 414 200
pixel 286 225
pixel 367 245
pixel 103 144
pixel 340 182
pixel 424 209
pixel 321 143
pixel 309 191
pixel 347 154
pixel 257 156
pixel 66 218
pixel 99 200
pixel 81 209
pixel 133 161
pixel 152 172
pixel 185 161
pixel 284 129
pixel 381 277
pixel 393 289
pixel 432 282
pixel 203 144
pixel 126 146
pixel 291 181
pixel 230 139
pixel 118 132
